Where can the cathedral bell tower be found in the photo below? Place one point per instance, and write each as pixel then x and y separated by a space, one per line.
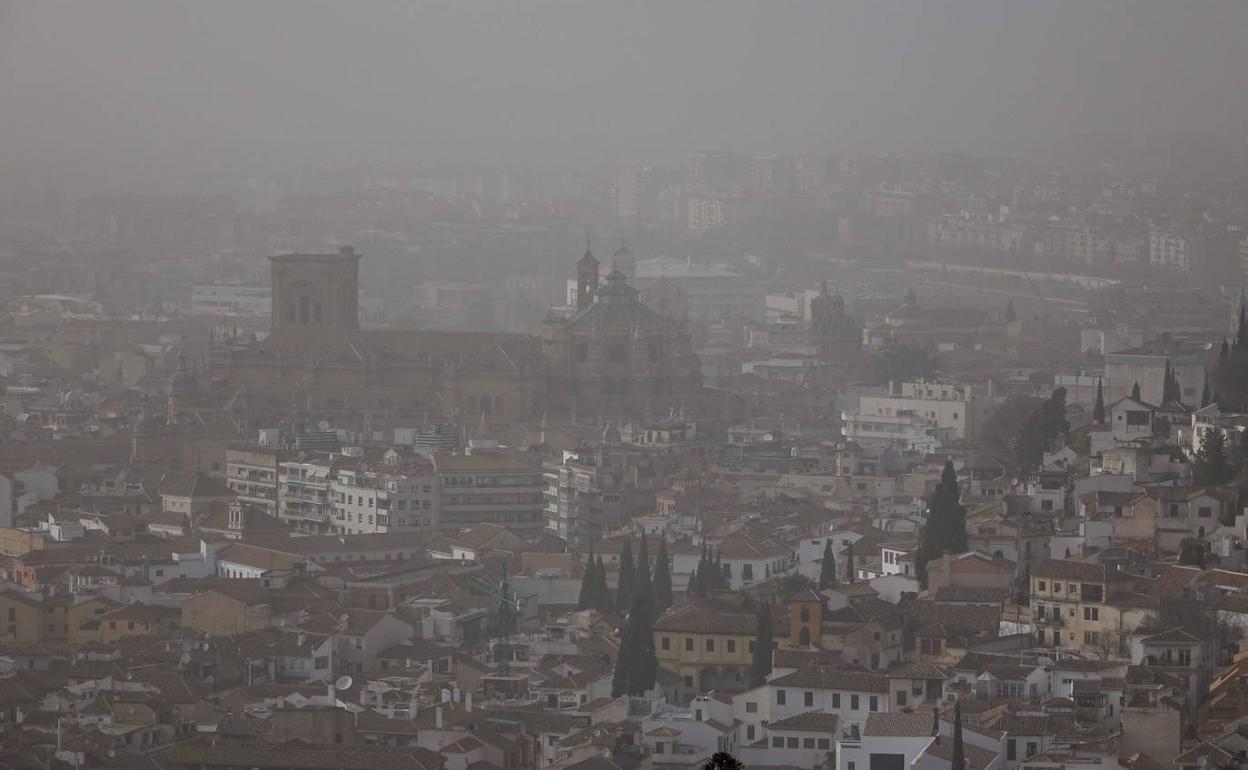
pixel 586 279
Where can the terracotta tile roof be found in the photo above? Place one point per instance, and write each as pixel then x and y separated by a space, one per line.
pixel 898 724
pixel 825 678
pixel 812 721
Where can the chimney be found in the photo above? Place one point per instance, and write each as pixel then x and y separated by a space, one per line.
pixel 437 717
pixel 467 701
pixel 446 695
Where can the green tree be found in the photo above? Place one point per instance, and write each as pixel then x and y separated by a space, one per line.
pixel 636 665
pixel 827 568
pixel 1192 553
pixel 1211 466
pixel 1135 392
pixel 722 760
pixel 662 579
pixel 760 664
pixel 627 577
pixel 849 564
pixel 586 598
pixel 1098 411
pixel 601 591
pixel 958 762
pixel 945 531
pixel 1171 390
pixel 904 363
pixel 1041 430
pixel 642 583
pixel 793 584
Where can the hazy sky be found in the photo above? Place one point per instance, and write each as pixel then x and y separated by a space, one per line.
pixel 177 92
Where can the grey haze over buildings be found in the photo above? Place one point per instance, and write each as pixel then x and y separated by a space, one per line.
pixel 178 95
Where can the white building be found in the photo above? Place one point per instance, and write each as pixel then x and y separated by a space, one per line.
pixel 386 498
pixel 940 404
pixel 231 300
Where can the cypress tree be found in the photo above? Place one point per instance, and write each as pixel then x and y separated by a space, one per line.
pixel 602 594
pixel 662 580
pixel 636 665
pixel 697 581
pixel 827 570
pixel 1171 391
pixel 717 570
pixel 1098 411
pixel 588 582
pixel 760 664
pixel 1211 466
pixel 946 522
pixel 849 565
pixel 958 762
pixel 1135 392
pixel 624 588
pixel 642 585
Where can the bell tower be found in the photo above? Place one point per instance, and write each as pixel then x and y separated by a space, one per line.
pixel 315 297
pixel 586 279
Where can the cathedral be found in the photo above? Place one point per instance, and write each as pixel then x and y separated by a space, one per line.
pixel 615 352
pixel 613 355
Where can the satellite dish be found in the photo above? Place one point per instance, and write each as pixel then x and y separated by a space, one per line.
pixel 186 658
pixel 323 425
pixel 343 682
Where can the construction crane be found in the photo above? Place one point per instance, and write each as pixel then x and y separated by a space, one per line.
pixel 506 616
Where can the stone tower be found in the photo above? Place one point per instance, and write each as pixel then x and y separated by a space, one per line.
pixel 835 334
pixel 586 279
pixel 315 298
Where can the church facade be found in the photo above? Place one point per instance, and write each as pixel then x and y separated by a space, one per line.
pixel 613 352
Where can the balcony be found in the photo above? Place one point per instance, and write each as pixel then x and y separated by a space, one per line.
pixel 1050 618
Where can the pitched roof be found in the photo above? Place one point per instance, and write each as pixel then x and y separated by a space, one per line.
pixel 828 678
pixel 815 721
pixel 898 724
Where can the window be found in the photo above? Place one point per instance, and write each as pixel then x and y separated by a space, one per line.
pixel 780 697
pixel 749 732
pixel 874 703
pixel 732 645
pixel 808 743
pixel 710 645
pixel 667 643
pixel 689 644
pixel 853 702
pixel 321 661
pixel 777 742
pixel 1091 613
pixel 1057 588
pixel 793 742
pixel 1031 748
pixel 901 698
pixel 825 743
pixel 808 699
pixel 688 681
pixel 1204 511
pixel 751 646
pixel 836 700
pixel 1089 637
pixel 658 747
pixel 751 707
